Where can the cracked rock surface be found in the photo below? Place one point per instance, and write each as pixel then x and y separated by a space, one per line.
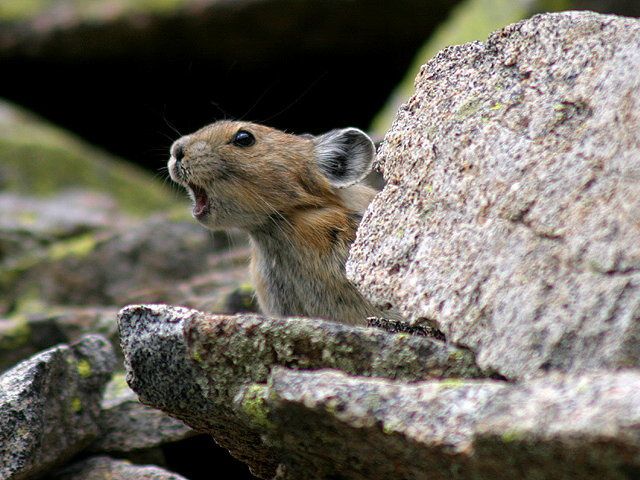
pixel 516 169
pixel 49 406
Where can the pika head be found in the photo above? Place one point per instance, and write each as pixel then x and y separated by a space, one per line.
pixel 241 175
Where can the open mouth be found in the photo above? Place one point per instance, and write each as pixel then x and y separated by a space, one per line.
pixel 200 201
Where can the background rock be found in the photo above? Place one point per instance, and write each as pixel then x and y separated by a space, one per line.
pixel 49 406
pixel 105 468
pixel 28 333
pixel 516 167
pixel 116 266
pixel 128 426
pixel 308 66
pixel 38 159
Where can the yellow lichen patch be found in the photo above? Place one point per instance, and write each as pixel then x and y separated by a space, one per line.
pixel 392 426
pixel 117 386
pixel 27 218
pixel 76 247
pixel 84 368
pixel 196 356
pixel 76 405
pixel 512 436
pixel 451 383
pixel 254 406
pixel 14 333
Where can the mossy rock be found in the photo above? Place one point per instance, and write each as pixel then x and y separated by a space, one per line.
pixel 469 21
pixel 38 159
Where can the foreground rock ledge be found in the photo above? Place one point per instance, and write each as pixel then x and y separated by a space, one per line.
pixel 556 427
pixel 210 370
pixel 511 216
pixel 270 391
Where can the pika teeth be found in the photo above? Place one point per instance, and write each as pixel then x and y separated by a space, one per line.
pixel 200 201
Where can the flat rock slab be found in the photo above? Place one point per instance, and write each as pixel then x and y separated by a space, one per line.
pixel 204 368
pixel 511 217
pixel 563 427
pixel 49 406
pixel 105 468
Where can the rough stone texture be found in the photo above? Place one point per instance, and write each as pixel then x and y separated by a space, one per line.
pixel 49 406
pixel 126 425
pixel 203 368
pixel 105 468
pixel 557 426
pixel 511 216
pixel 164 375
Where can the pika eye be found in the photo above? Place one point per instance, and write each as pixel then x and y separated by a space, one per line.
pixel 243 139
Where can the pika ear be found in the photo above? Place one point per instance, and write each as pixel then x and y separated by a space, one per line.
pixel 344 156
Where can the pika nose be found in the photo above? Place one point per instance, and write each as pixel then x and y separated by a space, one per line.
pixel 177 151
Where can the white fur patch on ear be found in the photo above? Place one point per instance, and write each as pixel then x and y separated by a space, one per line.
pixel 344 156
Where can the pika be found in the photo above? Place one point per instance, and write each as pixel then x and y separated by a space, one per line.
pixel 299 198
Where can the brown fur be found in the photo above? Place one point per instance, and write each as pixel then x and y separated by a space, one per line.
pixel 300 225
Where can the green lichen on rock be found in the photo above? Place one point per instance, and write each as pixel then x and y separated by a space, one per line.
pixel 253 404
pixel 39 159
pixel 451 383
pixel 14 333
pixel 76 405
pixel 513 435
pixel 116 387
pixel 471 107
pixel 79 246
pixel 84 368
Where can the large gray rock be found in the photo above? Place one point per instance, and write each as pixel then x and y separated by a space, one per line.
pixel 511 217
pixel 49 406
pixel 207 369
pixel 555 427
pixel 105 468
